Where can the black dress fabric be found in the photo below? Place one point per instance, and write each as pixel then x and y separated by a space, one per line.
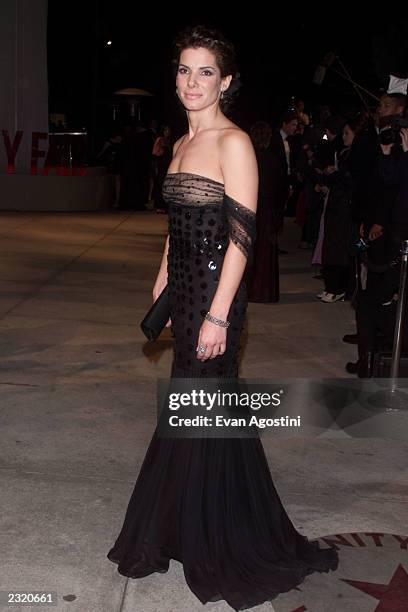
pixel 210 503
pixel 201 220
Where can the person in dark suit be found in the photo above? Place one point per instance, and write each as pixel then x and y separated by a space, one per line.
pixel 373 197
pixel 377 305
pixel 281 165
pixel 390 106
pixel 134 167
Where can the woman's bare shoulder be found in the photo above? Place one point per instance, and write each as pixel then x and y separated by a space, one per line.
pixel 234 138
pixel 178 143
pixel 239 167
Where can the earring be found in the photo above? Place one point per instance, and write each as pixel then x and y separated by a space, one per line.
pixel 222 94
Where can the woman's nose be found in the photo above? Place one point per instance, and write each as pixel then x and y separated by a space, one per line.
pixel 191 80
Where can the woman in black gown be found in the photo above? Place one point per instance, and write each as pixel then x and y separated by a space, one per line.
pixel 210 503
pixel 262 277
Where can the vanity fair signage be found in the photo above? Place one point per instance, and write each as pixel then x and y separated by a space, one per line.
pixel 372 575
pixel 45 157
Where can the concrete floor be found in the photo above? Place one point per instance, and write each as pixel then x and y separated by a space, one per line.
pixel 77 385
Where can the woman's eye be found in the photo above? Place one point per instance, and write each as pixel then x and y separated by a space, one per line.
pixel 207 72
pixel 182 70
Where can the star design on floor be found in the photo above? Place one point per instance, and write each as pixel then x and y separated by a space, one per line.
pixel 393 597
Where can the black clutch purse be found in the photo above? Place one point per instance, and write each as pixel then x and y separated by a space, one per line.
pixel 157 317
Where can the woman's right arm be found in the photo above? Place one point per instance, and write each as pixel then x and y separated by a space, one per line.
pixel 161 279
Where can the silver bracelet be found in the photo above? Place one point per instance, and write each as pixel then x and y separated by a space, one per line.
pixel 220 322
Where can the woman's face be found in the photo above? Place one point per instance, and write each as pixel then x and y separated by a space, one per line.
pixel 199 81
pixel 348 136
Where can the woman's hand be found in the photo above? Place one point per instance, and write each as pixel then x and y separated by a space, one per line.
pixel 159 285
pixel 214 338
pixel 404 139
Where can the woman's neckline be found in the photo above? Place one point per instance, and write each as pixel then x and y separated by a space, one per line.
pixel 207 178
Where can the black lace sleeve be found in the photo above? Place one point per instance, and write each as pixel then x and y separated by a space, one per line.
pixel 241 225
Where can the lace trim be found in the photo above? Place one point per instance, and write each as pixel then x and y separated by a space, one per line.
pixel 192 189
pixel 241 225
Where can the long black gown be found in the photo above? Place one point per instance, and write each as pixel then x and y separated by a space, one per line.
pixel 262 277
pixel 210 503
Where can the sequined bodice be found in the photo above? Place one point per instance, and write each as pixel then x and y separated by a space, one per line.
pixel 202 217
pixel 197 221
pixel 202 221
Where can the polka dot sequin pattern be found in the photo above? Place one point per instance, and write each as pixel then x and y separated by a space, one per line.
pixel 202 220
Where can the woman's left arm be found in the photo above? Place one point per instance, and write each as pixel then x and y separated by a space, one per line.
pixel 240 172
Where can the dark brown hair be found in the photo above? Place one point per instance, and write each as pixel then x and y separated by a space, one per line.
pixel 288 116
pixel 357 123
pixel 194 37
pixel 261 133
